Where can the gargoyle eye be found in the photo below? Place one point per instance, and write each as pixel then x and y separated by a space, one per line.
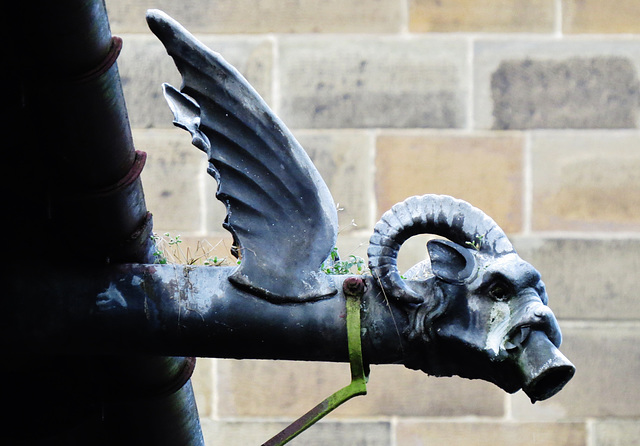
pixel 499 290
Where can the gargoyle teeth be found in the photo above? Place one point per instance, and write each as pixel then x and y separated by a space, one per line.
pixel 517 337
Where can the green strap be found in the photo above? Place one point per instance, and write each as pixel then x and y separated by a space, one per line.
pixel 359 375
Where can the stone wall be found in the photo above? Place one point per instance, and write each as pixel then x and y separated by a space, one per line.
pixel 527 109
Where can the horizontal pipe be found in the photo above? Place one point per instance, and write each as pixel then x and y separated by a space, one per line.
pixel 178 310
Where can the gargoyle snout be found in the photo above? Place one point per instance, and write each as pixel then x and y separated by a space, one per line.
pixel 535 317
pixel 545 321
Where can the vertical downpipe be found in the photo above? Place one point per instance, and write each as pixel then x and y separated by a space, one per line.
pixel 93 212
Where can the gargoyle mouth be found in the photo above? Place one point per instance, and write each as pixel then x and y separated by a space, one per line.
pixel 517 337
pixel 544 370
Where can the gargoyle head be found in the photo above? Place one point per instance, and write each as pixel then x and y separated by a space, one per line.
pixel 477 309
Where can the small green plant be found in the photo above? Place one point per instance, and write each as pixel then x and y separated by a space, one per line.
pixel 477 243
pixel 168 249
pixel 158 252
pixel 353 265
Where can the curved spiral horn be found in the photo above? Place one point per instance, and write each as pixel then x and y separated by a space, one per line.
pixel 440 215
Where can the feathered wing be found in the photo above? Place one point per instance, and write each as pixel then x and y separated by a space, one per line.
pixel 279 209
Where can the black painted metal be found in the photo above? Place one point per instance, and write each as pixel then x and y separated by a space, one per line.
pixel 475 303
pixel 184 310
pixel 278 206
pixel 74 196
pixel 177 309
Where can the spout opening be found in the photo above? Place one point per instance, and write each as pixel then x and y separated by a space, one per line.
pixel 549 382
pixel 545 371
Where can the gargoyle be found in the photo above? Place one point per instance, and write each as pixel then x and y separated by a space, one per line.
pixel 474 309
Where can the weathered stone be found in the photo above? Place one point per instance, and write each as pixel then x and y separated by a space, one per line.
pixel 413 251
pixel 283 388
pixel 616 432
pixel 241 433
pixel 170 179
pixel 599 92
pixel 485 170
pixel 607 360
pixel 214 210
pixel 372 82
pixel 481 16
pixel 490 433
pixel 556 83
pixel 144 66
pixel 264 16
pixel 275 388
pixel 345 162
pixel 203 384
pixel 587 278
pixel 595 16
pixel 585 181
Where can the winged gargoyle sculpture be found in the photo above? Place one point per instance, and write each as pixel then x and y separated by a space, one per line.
pixel 474 309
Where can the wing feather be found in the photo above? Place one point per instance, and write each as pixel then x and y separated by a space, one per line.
pixel 279 209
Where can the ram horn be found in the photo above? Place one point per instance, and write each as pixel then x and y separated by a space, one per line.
pixel 439 215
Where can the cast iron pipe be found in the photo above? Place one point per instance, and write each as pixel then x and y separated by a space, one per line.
pixel 178 309
pixel 173 309
pixel 80 192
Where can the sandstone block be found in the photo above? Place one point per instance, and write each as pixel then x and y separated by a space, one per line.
pixel 264 16
pixel 345 161
pixel 586 181
pixel 481 16
pixel 238 433
pixel 594 16
pixel 491 433
pixel 587 278
pixel 588 92
pixel 283 388
pixel 329 82
pixel 607 360
pixel 170 179
pixel 144 66
pixel 616 432
pixel 203 384
pixel 241 433
pixel 485 170
pixel 527 84
pixel 215 211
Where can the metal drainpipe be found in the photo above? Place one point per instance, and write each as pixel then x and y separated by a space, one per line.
pixel 90 208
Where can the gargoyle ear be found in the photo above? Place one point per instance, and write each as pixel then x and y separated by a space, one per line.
pixel 450 262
